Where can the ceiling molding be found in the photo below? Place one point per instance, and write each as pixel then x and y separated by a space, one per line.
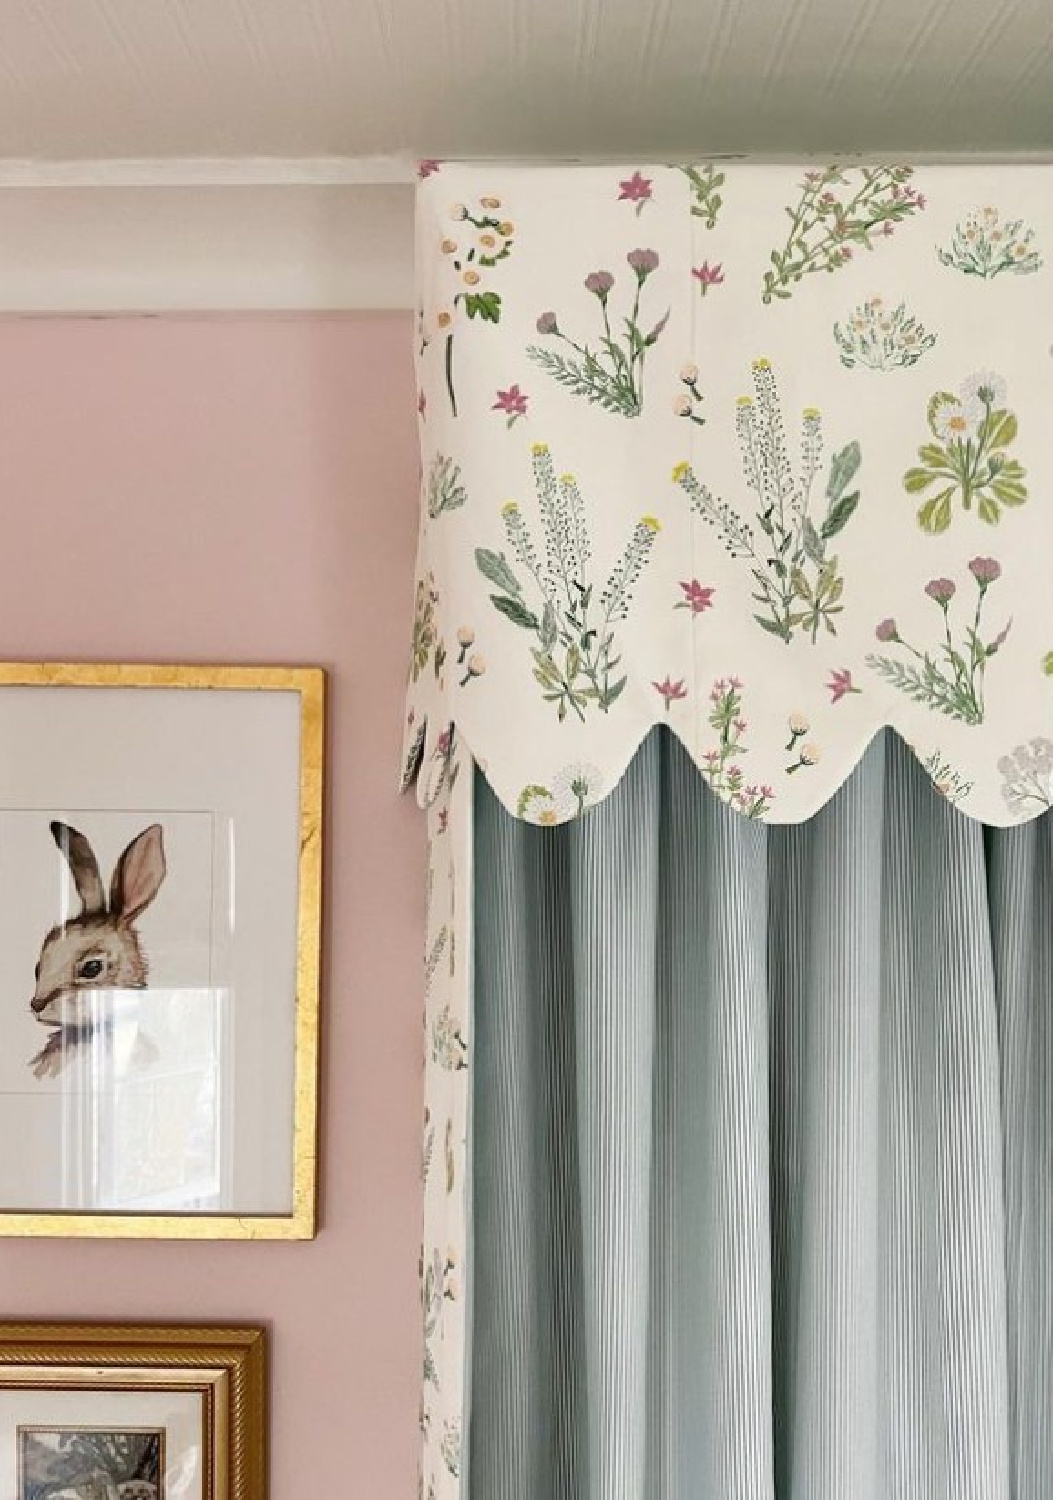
pixel 209 171
pixel 356 171
pixel 260 248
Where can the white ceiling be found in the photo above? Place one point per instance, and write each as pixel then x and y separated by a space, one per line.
pixel 166 155
pixel 513 78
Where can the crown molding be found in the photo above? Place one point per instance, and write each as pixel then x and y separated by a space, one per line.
pixel 209 171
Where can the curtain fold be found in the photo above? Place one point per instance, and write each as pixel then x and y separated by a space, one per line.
pixel 761 1146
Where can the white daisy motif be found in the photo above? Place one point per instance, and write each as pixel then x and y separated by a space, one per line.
pixel 576 787
pixel 957 420
pixel 984 386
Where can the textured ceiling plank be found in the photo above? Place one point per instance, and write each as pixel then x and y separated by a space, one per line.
pixel 520 78
pixel 853 39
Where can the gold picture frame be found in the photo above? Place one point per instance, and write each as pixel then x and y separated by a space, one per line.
pixel 185 1399
pixel 298 1220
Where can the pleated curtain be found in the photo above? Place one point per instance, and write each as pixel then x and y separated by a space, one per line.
pixel 761 1148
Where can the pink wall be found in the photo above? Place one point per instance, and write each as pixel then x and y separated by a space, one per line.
pixel 243 489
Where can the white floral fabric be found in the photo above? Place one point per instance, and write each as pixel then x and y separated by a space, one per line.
pixel 761 453
pixel 445 1158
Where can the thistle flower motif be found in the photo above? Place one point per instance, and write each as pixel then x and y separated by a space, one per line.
pixel 949 677
pixel 643 262
pixel 599 283
pixel 942 590
pixel 610 373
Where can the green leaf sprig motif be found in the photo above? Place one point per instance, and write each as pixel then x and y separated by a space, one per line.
pixel 576 662
pixel 610 374
pixel 948 677
pixel 445 488
pixel 968 460
pixel 839 208
pixel 798 586
pixel 704 185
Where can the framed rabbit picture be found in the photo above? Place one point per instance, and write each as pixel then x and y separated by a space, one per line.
pixel 160 914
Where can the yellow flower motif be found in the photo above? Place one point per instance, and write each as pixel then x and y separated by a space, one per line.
pixel 490 202
pixel 548 816
pixel 567 479
pixel 506 228
pixel 744 401
pixel 539 448
pixel 443 319
pixel 811 413
pixel 509 508
pixel 810 754
pixel 471 278
pixel 487 241
pixel 651 523
pixel 448 247
pixel 990 215
pixel 679 472
pixel 762 364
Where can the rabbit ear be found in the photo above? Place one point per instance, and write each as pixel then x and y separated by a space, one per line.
pixel 83 867
pixel 138 874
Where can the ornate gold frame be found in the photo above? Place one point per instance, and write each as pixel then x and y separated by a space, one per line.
pixel 301 1223
pixel 226 1366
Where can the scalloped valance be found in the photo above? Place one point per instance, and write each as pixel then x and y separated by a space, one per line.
pixel 761 453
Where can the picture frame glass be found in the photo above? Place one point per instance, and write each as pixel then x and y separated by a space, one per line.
pixel 150 907
pixel 83 1443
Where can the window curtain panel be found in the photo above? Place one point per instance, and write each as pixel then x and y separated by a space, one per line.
pixel 761 1133
pixel 734 1084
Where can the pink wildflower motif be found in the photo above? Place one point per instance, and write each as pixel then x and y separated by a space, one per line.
pixel 644 262
pixel 985 569
pixel 886 630
pixel 708 275
pixel 635 190
pixel 841 684
pixel 696 597
pixel 599 283
pixel 670 690
pixel 427 168
pixel 513 403
pixel 942 590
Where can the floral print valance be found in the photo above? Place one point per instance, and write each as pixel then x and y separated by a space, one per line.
pixel 761 453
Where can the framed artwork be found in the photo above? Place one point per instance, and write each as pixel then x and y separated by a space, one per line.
pixel 160 910
pixel 109 1412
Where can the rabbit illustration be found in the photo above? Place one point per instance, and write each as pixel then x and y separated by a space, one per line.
pixel 99 949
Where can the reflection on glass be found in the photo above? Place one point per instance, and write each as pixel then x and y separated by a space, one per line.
pixel 146 1104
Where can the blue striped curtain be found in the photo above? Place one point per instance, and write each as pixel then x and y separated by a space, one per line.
pixel 761 1146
